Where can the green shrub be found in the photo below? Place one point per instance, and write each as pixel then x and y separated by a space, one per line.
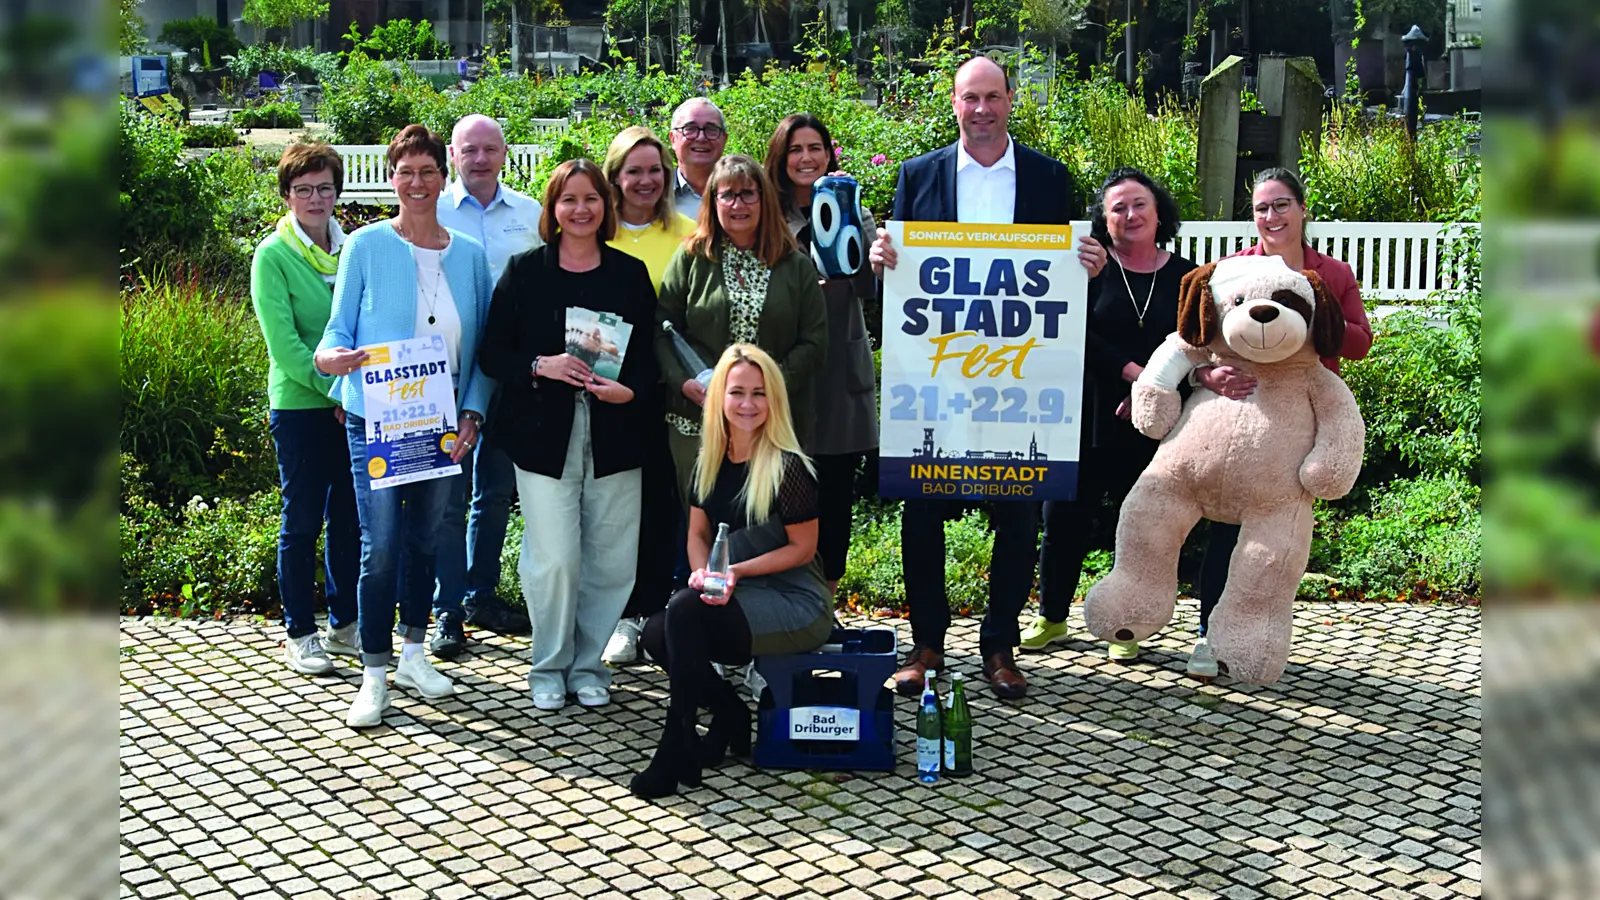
pixel 199 36
pixel 518 99
pixel 304 63
pixel 1421 537
pixel 166 208
pixel 208 556
pixel 211 136
pixel 269 114
pixel 194 393
pixel 399 39
pixel 874 579
pixel 1369 170
pixel 368 102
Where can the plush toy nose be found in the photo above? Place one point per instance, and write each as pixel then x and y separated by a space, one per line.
pixel 1264 313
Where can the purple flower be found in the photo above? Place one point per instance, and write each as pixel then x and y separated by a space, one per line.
pixel 838 151
pixel 879 159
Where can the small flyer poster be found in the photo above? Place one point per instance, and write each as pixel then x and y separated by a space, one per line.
pixel 411 411
pixel 600 339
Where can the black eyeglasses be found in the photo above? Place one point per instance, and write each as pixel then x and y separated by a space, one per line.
pixel 709 132
pixel 1279 206
pixel 748 196
pixel 304 191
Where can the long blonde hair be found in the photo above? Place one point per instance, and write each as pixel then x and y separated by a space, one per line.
pixel 774 439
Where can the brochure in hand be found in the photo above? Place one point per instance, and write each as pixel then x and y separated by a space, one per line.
pixel 600 339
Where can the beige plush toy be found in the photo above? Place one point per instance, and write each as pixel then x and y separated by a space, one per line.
pixel 1257 462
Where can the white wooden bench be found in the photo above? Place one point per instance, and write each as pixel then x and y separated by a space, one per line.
pixel 366 170
pixel 1394 261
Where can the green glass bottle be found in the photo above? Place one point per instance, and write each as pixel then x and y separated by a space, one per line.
pixel 957 731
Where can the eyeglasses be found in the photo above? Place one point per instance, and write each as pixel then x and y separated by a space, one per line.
pixel 1279 206
pixel 304 191
pixel 748 196
pixel 709 132
pixel 428 174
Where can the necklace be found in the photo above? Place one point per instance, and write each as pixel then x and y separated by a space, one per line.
pixel 433 298
pixel 442 236
pixel 1136 310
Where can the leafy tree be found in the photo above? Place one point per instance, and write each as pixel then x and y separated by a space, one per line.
pixel 130 28
pixel 268 14
pixel 200 36
pixel 399 39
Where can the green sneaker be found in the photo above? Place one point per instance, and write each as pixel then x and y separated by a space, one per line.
pixel 1042 633
pixel 1123 651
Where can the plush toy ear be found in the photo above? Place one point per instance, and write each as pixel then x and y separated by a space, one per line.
pixel 1198 324
pixel 1327 321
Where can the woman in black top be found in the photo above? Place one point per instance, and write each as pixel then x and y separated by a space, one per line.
pixel 752 477
pixel 1133 306
pixel 572 433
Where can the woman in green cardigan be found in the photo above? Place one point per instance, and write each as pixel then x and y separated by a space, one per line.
pixel 739 279
pixel 291 285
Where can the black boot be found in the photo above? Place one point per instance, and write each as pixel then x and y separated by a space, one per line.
pixel 676 762
pixel 729 734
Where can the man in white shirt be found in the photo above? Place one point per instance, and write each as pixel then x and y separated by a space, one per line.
pixel 984 178
pixel 506 222
pixel 699 135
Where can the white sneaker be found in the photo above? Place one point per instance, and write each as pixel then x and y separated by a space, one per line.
pixel 623 648
pixel 594 696
pixel 1202 662
pixel 305 655
pixel 549 701
pixel 420 675
pixel 344 641
pixel 753 680
pixel 370 702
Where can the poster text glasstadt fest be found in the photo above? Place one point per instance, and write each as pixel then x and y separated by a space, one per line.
pixel 983 356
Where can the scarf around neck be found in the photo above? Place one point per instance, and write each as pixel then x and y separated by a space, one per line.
pixel 320 260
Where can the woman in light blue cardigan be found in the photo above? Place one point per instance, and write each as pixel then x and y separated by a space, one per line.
pixel 400 279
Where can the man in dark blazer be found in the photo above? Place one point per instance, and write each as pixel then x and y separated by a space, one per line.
pixel 984 178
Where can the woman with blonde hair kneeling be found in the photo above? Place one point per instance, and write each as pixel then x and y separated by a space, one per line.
pixel 752 476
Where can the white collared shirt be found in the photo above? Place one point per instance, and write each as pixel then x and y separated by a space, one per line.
pixel 335 240
pixel 986 195
pixel 684 197
pixel 507 227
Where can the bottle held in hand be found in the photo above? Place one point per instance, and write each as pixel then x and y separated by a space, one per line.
pixel 716 580
pixel 686 355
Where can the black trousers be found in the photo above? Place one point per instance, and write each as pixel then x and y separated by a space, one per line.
pixel 686 638
pixel 1106 474
pixel 836 489
pixel 659 513
pixel 1016 548
pixel 1220 542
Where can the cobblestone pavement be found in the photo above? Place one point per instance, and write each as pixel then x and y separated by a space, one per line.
pixel 1357 775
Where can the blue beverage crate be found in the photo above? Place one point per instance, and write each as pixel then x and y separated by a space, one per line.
pixel 839 688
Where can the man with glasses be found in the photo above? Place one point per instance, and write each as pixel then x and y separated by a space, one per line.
pixel 506 222
pixel 699 135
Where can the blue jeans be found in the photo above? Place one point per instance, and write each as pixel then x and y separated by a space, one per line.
pixel 469 549
pixel 314 474
pixel 399 531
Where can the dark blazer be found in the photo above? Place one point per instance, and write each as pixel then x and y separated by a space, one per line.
pixel 926 191
pixel 528 318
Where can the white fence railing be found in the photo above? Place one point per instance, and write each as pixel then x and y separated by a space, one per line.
pixel 1404 261
pixel 366 166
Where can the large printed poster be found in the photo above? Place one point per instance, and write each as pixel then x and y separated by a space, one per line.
pixel 983 359
pixel 411 411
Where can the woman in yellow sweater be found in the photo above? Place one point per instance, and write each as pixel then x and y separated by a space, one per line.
pixel 652 229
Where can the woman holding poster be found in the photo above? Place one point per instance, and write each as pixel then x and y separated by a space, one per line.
pixel 563 314
pixel 799 153
pixel 753 482
pixel 1133 306
pixel 400 280
pixel 738 280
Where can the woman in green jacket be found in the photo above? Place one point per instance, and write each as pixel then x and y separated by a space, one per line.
pixel 739 279
pixel 291 285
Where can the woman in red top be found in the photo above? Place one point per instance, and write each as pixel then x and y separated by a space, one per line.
pixel 1279 203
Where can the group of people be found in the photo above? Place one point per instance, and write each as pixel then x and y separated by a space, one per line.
pixel 623 482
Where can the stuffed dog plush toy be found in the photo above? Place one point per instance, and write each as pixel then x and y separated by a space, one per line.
pixel 1257 461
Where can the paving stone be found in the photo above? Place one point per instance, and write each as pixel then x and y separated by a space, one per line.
pixel 1356 775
